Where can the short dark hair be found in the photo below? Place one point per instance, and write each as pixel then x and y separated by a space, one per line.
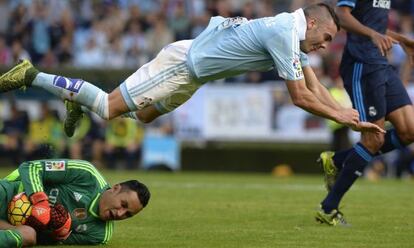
pixel 142 191
pixel 314 7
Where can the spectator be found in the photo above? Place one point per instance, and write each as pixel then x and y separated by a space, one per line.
pixel 18 52
pixel 135 44
pixel 39 28
pixel 14 130
pixel 123 140
pixel 159 36
pixel 115 54
pixel 92 56
pixel 5 53
pixel 17 24
pixel 179 22
pixel 49 60
pixel 64 51
pixel 340 139
pixel 248 10
pixel 4 15
pixel 45 137
pixel 87 142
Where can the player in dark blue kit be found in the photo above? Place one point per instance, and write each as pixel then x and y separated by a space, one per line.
pixel 376 92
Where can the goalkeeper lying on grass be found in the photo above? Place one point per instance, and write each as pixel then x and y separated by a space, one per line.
pixel 71 203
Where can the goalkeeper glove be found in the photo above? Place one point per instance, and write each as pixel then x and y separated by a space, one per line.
pixel 40 217
pixel 60 222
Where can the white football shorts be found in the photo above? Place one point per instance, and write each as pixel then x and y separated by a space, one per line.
pixel 165 81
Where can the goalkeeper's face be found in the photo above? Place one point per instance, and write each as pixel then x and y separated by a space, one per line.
pixel 117 204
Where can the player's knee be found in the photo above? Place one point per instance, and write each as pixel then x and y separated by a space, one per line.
pixel 373 142
pixel 407 137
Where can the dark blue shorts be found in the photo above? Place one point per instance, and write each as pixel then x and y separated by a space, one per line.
pixel 375 90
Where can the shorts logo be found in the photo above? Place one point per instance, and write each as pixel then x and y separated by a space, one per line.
pixel 79 213
pixel 383 4
pixel 297 68
pixel 372 111
pixel 55 165
pixel 70 84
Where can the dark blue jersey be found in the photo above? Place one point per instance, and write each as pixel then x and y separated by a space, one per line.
pixel 373 14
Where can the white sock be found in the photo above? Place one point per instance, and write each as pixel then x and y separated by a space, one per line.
pixel 75 90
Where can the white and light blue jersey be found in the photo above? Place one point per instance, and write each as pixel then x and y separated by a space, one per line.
pixel 231 46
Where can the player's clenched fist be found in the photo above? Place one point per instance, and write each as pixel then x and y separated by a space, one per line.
pixel 40 216
pixel 347 116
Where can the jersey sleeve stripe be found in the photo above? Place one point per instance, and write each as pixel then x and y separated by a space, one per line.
pixel 102 183
pixel 31 172
pixel 109 225
pixel 89 168
pixel 17 237
pixel 39 168
pixel 89 165
pixel 34 177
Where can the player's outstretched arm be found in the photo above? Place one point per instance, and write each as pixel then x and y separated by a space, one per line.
pixel 20 236
pixel 305 99
pixel 351 24
pixel 320 91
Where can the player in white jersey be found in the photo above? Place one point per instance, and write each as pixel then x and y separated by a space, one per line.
pixel 227 47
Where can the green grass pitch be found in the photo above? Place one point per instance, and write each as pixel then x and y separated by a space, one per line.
pixel 257 210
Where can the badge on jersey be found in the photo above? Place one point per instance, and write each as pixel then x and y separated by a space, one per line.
pixel 297 68
pixel 80 213
pixel 232 22
pixel 55 165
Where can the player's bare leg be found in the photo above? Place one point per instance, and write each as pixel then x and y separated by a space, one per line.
pixel 116 103
pixel 403 122
pixel 74 111
pixel 148 114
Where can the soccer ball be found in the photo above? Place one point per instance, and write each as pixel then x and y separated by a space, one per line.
pixel 19 209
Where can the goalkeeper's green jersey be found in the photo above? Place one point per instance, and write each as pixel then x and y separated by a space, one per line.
pixel 75 184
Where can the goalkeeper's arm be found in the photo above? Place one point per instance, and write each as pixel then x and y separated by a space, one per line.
pixel 20 236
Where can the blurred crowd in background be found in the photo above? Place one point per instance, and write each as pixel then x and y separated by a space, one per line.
pixel 119 34
pixel 104 143
pixel 128 33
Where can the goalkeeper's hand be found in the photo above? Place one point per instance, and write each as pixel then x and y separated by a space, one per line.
pixel 40 217
pixel 60 222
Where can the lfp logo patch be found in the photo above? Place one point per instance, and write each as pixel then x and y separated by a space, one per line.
pixel 55 165
pixel 297 68
pixel 70 84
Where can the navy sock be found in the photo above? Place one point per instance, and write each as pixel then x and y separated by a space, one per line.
pixel 353 168
pixel 391 142
pixel 340 157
